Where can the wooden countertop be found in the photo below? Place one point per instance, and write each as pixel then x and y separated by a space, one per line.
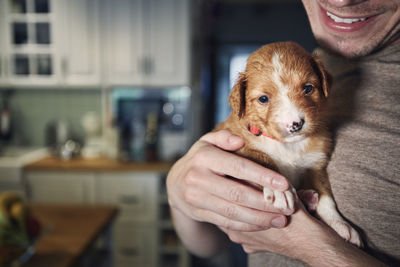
pixel 74 228
pixel 102 164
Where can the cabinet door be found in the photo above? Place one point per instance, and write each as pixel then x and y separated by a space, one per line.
pixel 57 187
pixel 2 45
pixel 123 37
pixel 168 42
pixel 135 194
pixel 31 46
pixel 80 64
pixel 135 245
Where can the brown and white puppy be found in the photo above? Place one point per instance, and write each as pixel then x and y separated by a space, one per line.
pixel 277 108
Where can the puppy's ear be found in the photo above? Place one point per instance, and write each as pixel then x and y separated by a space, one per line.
pixel 324 76
pixel 237 98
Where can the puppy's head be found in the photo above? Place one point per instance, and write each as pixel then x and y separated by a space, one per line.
pixel 281 92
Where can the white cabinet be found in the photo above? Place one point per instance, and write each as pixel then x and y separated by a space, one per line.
pixel 60 187
pixel 2 44
pixel 123 32
pixel 30 48
pixel 168 44
pixel 135 245
pixel 135 232
pixel 72 43
pixel 80 47
pixel 147 42
pixel 135 194
pixel 50 43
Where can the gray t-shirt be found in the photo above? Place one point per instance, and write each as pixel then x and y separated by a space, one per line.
pixel 364 169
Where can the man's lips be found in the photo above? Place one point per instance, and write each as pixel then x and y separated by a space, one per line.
pixel 344 24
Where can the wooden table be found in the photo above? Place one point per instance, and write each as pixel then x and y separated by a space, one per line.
pixel 73 230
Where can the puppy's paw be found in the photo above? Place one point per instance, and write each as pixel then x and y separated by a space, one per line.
pixel 309 198
pixel 346 231
pixel 281 200
pixel 327 212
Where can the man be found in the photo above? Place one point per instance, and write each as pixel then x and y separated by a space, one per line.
pixel 363 40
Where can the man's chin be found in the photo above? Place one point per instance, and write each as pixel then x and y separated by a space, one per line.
pixel 344 49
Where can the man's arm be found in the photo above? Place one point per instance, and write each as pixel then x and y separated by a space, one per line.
pixel 201 196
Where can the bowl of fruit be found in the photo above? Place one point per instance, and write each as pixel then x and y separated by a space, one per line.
pixel 19 230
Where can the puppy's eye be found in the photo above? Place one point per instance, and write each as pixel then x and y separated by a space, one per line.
pixel 308 89
pixel 263 99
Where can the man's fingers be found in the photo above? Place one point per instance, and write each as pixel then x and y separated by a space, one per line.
pixel 203 201
pixel 236 166
pixel 224 140
pixel 239 167
pixel 234 192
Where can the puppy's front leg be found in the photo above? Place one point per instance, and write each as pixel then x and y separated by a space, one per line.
pixel 327 211
pixel 284 201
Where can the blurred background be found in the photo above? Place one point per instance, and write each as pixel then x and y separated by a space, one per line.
pixel 98 98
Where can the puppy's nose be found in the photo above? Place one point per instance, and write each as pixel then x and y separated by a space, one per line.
pixel 296 126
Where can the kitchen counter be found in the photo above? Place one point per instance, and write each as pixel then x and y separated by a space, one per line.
pixel 102 164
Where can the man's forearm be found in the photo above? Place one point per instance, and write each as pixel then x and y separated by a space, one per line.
pixel 340 254
pixel 201 239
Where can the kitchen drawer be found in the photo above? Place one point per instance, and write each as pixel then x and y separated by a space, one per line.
pixel 135 194
pixel 135 245
pixel 57 187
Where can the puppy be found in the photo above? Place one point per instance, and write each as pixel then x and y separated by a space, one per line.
pixel 277 108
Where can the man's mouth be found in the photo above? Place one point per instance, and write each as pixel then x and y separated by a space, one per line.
pixel 344 24
pixel 344 20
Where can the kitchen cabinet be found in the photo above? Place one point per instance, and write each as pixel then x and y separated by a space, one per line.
pixel 30 47
pixel 135 235
pixel 80 49
pixel 135 194
pixel 60 187
pixel 147 42
pixel 50 43
pixel 135 245
pixel 73 43
pixel 2 44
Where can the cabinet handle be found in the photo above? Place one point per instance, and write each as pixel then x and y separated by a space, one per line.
pixel 3 66
pixel 146 65
pixel 7 64
pixel 64 66
pixel 128 251
pixel 129 199
pixel 142 65
pixel 151 65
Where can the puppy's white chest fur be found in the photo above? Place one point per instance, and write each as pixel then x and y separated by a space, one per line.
pixel 292 159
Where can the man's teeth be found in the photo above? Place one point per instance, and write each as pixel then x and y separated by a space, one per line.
pixel 341 20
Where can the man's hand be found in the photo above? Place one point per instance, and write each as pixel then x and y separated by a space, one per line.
pixel 198 186
pixel 305 238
